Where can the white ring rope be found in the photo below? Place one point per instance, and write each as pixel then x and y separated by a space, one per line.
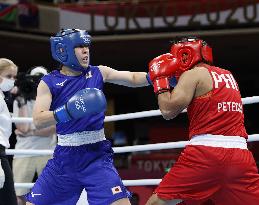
pixel 135 148
pixel 137 182
pixel 151 113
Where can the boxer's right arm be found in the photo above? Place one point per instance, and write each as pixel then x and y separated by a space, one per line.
pixel 173 103
pixel 42 117
pixel 83 102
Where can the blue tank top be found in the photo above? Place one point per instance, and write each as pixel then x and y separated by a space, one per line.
pixel 63 87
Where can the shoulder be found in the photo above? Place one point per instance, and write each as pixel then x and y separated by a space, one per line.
pixel 194 76
pixel 53 77
pixel 200 68
pixel 43 87
pixel 104 67
pixel 195 72
pixel 94 68
pixel 51 74
pixel 106 71
pixel 199 71
pixel 224 70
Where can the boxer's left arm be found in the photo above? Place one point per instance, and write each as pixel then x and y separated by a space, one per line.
pixel 125 78
pixel 173 103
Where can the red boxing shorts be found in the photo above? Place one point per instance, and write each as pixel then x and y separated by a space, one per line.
pixel 225 176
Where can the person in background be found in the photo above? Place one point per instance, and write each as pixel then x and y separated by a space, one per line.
pixel 8 72
pixel 28 137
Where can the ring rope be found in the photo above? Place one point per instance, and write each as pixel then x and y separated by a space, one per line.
pixel 142 114
pixel 136 182
pixel 135 148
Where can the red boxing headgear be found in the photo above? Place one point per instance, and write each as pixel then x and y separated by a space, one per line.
pixel 190 51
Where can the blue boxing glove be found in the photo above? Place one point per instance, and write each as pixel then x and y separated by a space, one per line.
pixel 84 102
pixel 172 81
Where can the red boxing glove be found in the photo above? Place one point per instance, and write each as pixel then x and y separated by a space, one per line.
pixel 161 69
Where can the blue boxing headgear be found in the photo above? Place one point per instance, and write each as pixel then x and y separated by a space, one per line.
pixel 63 44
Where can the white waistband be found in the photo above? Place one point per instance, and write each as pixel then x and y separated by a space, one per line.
pixel 219 141
pixel 81 138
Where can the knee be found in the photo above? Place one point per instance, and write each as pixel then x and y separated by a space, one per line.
pixel 154 200
pixel 21 201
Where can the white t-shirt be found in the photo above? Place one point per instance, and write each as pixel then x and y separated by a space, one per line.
pixel 6 122
pixel 32 142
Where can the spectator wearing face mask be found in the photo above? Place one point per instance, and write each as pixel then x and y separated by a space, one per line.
pixel 8 72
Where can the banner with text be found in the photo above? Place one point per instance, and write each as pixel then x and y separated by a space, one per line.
pixel 153 15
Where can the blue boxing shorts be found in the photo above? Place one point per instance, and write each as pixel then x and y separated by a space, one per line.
pixel 74 168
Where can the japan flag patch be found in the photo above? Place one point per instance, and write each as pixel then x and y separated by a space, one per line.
pixel 116 190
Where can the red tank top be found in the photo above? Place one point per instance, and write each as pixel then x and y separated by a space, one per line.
pixel 219 112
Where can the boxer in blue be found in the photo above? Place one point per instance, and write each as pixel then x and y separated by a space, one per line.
pixel 72 98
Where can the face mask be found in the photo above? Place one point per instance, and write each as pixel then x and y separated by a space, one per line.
pixel 7 84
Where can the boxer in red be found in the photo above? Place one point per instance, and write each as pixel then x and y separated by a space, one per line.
pixel 216 164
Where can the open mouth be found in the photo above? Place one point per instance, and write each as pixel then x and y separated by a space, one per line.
pixel 85 60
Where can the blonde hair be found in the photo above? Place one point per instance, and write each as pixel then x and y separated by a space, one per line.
pixel 6 64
